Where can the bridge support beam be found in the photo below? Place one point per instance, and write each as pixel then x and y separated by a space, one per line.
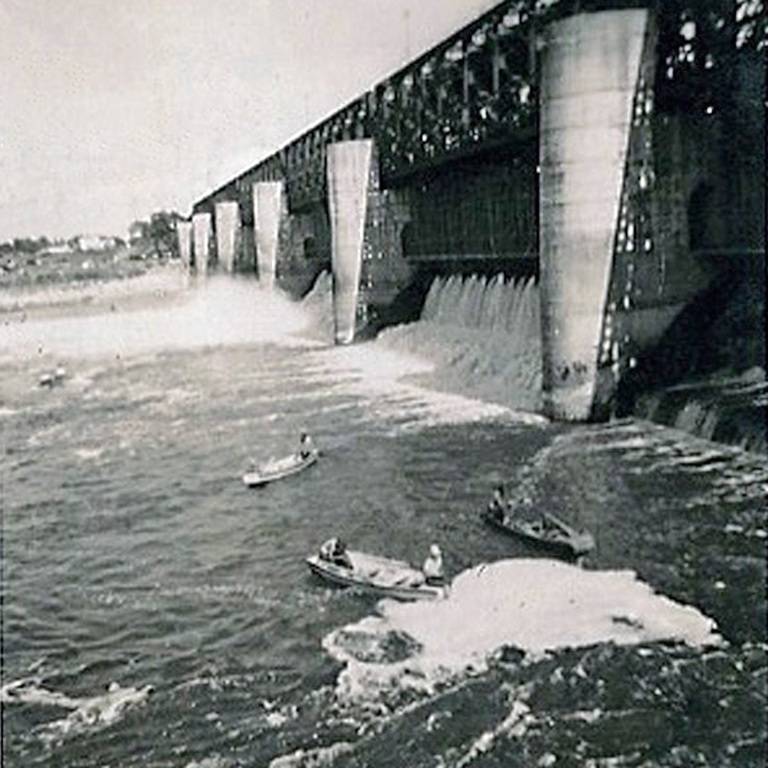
pixel 267 214
pixel 227 234
pixel 590 69
pixel 184 241
pixel 201 241
pixel 349 171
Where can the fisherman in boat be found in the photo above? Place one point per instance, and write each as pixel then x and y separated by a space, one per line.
pixel 497 506
pixel 306 447
pixel 434 575
pixel 335 551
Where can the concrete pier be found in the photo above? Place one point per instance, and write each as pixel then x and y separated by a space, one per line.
pixel 267 212
pixel 589 74
pixel 184 240
pixel 349 166
pixel 201 241
pixel 227 234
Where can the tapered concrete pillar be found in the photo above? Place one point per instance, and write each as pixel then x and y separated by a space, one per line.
pixel 227 233
pixel 349 166
pixel 267 209
pixel 184 240
pixel 201 241
pixel 589 73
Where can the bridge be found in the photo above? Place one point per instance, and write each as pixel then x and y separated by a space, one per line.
pixel 612 148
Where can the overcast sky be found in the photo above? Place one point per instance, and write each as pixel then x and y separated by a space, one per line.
pixel 110 110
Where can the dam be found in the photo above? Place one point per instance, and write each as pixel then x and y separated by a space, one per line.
pixel 611 152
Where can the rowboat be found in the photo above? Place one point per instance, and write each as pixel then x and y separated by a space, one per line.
pixel 375 575
pixel 545 532
pixel 53 378
pixel 277 469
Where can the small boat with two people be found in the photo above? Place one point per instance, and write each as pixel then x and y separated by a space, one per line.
pixel 542 530
pixel 380 576
pixel 277 469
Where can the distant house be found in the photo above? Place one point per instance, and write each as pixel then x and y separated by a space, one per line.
pixel 138 231
pixel 94 242
pixel 57 248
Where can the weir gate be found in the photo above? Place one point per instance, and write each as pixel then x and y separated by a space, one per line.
pixel 615 150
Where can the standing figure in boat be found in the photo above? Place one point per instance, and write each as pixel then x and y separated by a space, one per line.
pixel 434 575
pixel 335 551
pixel 498 506
pixel 306 446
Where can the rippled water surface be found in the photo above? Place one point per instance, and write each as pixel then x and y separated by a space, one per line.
pixel 158 613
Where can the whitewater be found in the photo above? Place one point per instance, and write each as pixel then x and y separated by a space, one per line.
pixel 158 613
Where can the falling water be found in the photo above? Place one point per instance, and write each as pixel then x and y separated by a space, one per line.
pixel 724 408
pixel 483 337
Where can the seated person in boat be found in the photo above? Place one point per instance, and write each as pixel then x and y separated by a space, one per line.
pixel 546 528
pixel 335 551
pixel 497 506
pixel 434 575
pixel 306 447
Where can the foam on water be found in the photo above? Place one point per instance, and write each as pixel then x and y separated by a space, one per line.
pixel 514 724
pixel 221 311
pixel 474 333
pixel 384 377
pixel 535 605
pixel 86 454
pixel 88 714
pixel 313 758
pixel 483 337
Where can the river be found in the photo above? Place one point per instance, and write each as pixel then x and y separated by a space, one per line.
pixel 158 613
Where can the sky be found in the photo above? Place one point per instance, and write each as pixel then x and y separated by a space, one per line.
pixel 111 110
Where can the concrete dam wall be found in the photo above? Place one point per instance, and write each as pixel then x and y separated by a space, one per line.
pixel 594 149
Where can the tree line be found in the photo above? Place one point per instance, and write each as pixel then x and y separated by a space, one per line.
pixel 155 236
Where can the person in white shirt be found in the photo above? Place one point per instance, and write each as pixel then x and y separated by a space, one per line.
pixel 433 567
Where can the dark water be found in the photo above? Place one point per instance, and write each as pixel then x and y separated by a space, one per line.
pixel 133 555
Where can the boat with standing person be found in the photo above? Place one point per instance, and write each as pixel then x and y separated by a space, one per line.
pixel 381 576
pixel 543 531
pixel 277 469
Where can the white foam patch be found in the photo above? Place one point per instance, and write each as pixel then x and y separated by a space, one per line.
pixel 535 605
pixel 27 691
pixel 313 758
pixel 514 725
pixel 87 454
pixel 214 761
pixel 88 713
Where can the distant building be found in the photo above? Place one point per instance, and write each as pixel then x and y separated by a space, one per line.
pixel 57 248
pixel 137 232
pixel 94 242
